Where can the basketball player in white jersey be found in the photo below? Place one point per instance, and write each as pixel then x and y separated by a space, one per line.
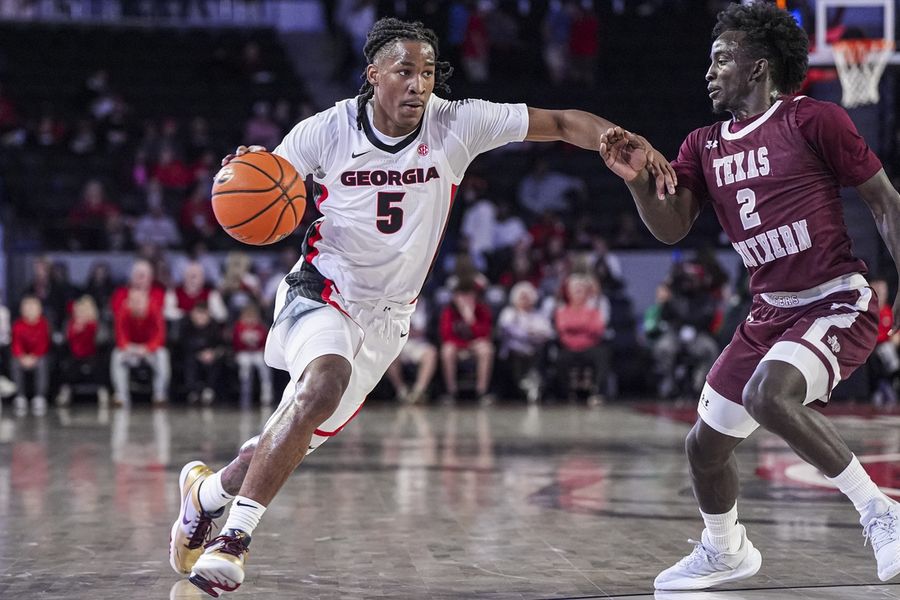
pixel 388 163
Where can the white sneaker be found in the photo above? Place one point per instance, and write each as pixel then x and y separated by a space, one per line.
pixel 64 397
pixel 881 526
pixel 39 406
pixel 705 567
pixel 7 387
pixel 20 406
pixel 193 527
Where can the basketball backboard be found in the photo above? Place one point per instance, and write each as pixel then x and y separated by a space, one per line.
pixel 875 18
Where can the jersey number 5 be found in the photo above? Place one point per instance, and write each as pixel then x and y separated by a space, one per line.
pixel 747 199
pixel 390 218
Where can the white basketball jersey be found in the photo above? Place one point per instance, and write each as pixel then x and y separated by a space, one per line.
pixel 386 205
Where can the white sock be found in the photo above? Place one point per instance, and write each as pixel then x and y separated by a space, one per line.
pixel 244 515
pixel 856 484
pixel 212 495
pixel 722 531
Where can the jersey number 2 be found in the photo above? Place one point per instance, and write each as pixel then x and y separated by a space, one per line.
pixel 390 218
pixel 747 199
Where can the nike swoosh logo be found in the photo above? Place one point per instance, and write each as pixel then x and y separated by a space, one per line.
pixel 239 503
pixel 355 155
pixel 404 334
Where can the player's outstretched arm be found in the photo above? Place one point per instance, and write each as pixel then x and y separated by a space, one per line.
pixel 584 130
pixel 667 211
pixel 884 202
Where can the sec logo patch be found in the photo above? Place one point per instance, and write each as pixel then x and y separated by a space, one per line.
pixel 423 150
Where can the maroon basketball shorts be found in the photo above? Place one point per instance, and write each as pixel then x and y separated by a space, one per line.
pixel 826 332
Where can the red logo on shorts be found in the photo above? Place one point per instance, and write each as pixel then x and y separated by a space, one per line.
pixel 422 150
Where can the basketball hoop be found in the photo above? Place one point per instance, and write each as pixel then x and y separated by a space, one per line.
pixel 860 64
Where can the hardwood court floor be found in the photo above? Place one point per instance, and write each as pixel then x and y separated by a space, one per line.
pixel 436 502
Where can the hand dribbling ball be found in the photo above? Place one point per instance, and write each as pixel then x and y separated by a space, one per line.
pixel 258 198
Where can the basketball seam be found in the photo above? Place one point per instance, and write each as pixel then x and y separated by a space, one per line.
pixel 245 191
pixel 283 194
pixel 269 177
pixel 289 204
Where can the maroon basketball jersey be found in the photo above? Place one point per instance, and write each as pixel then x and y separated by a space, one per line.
pixel 774 181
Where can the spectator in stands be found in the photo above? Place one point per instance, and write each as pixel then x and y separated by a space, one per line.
pixel 194 290
pixel 30 349
pixel 685 349
pixel 170 171
pixel 478 223
pixel 81 359
pixel 249 342
pixel 476 46
pixel 886 358
pixel 51 287
pixel 524 331
pixel 141 279
pixel 100 285
pixel 202 350
pixel 418 352
pixel 140 339
pixel 260 128
pixel 287 258
pixel 239 286
pixel 156 228
pixel 84 139
pixel 9 115
pixel 557 31
pixel 584 46
pixel 465 329
pixel 583 361
pixel 544 190
pixel 254 65
pixel 605 265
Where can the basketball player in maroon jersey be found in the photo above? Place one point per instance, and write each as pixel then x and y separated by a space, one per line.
pixel 773 174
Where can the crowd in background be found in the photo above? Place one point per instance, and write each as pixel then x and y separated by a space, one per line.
pixel 527 300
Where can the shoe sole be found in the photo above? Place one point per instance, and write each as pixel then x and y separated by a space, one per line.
pixel 209 587
pixel 748 568
pixel 174 532
pixel 890 572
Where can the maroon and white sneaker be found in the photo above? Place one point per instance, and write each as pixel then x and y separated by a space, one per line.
pixel 221 566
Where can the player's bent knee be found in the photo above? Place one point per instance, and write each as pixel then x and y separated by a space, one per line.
pixel 767 401
pixel 248 448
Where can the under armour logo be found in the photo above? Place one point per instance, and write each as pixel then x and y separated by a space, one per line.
pixel 710 144
pixel 834 343
pixel 705 400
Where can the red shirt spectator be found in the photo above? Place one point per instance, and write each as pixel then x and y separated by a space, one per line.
pixel 580 322
pixel 31 338
pixel 885 321
pixel 120 295
pixel 585 36
pixel 579 327
pixel 171 172
pixel 249 336
pixel 197 219
pixel 147 329
pixel 82 338
pixel 94 209
pixel 460 331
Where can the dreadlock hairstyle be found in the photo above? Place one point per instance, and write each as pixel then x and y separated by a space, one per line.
pixel 386 31
pixel 772 34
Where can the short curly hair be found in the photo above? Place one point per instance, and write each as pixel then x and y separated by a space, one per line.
pixel 772 34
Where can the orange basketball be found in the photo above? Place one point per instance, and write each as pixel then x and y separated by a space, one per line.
pixel 258 198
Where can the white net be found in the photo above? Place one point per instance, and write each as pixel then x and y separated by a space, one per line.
pixel 860 64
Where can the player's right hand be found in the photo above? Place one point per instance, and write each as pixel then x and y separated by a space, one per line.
pixel 628 155
pixel 241 150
